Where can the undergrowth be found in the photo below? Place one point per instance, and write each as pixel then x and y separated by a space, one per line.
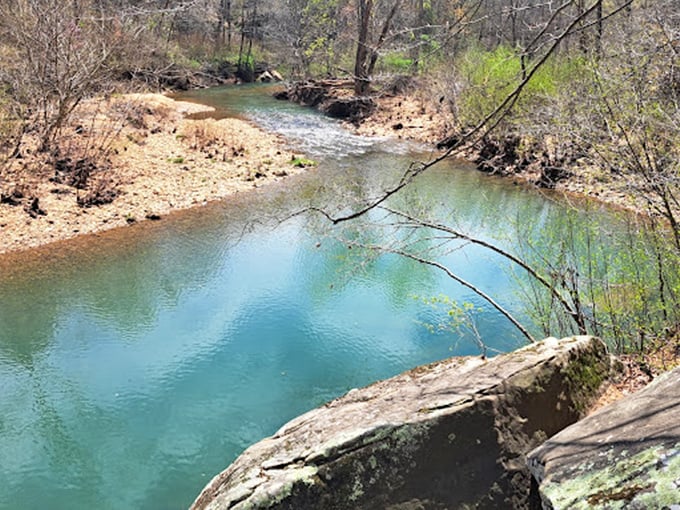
pixel 488 77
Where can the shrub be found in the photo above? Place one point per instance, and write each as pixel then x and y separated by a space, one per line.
pixel 397 63
pixel 488 77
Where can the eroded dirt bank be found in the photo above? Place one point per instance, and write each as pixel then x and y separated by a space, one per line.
pixel 417 109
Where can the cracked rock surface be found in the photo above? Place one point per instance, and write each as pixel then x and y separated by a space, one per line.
pixel 444 435
pixel 626 455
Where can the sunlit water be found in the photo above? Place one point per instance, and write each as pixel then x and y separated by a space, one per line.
pixel 136 365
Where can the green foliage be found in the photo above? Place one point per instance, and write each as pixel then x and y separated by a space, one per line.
pixel 619 273
pixel 397 63
pixel 178 56
pixel 318 44
pixel 489 77
pixel 247 62
pixel 460 318
pixel 431 53
pixel 317 32
pixel 302 162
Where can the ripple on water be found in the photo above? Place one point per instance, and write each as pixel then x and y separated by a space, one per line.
pixel 317 136
pixel 136 365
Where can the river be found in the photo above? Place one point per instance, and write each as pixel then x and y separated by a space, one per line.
pixel 137 364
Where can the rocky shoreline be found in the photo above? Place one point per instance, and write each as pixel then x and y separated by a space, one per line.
pixel 506 432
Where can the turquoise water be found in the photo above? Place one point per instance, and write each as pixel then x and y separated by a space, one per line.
pixel 136 365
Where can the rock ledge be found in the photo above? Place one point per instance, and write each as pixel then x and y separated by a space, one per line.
pixel 445 435
pixel 626 455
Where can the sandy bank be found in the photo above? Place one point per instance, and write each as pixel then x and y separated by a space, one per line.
pixel 158 161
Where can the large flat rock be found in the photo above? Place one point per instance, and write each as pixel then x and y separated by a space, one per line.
pixel 626 455
pixel 445 435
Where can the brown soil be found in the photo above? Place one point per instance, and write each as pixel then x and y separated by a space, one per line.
pixel 638 370
pixel 421 117
pixel 409 117
pixel 159 160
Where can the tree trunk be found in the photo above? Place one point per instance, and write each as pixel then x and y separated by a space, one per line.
pixel 361 61
pixel 223 28
pixel 367 54
pixel 598 13
pixel 381 39
pixel 420 21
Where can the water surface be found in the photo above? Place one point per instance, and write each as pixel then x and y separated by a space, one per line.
pixel 137 364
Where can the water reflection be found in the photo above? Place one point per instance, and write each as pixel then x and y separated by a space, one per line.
pixel 137 364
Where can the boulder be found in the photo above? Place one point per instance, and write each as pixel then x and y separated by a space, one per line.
pixel 626 455
pixel 269 76
pixel 445 435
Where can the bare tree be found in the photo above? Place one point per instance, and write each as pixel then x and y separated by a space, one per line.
pixel 367 49
pixel 60 54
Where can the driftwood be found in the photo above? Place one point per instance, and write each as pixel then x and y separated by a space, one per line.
pixel 353 109
pixel 325 96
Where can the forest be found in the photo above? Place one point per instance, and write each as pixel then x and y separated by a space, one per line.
pixel 560 90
